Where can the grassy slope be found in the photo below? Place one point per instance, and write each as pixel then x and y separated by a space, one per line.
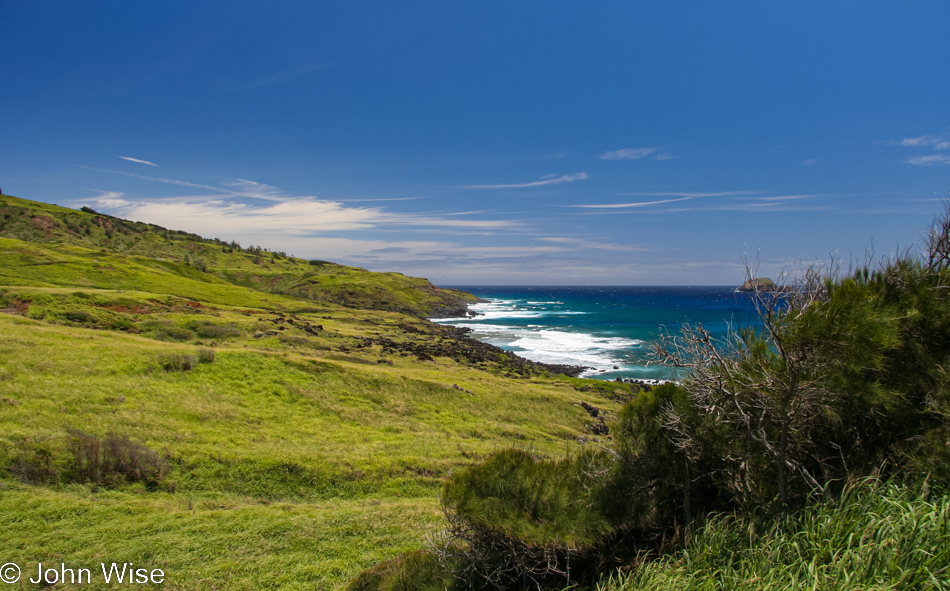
pixel 183 254
pixel 297 458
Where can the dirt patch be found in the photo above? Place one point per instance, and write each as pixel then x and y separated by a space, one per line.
pixel 43 223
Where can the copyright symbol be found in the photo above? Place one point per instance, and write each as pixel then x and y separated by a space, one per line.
pixel 9 573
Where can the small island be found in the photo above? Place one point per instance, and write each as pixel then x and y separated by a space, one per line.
pixel 758 284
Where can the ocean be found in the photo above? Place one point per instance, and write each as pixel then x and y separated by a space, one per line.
pixel 608 329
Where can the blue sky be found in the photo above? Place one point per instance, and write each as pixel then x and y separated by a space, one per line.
pixel 492 142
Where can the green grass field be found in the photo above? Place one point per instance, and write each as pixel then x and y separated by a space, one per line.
pixel 302 440
pixel 279 449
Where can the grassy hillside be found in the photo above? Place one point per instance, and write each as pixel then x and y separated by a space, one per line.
pixel 188 255
pixel 157 412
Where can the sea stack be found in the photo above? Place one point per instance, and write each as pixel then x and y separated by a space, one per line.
pixel 758 284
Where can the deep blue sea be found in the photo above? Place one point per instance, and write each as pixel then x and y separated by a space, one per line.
pixel 608 329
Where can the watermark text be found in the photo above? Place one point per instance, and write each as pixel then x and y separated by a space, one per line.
pixel 105 572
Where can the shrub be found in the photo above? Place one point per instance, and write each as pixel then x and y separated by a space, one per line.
pixel 516 518
pixel 174 333
pixel 178 362
pixel 80 316
pixel 33 461
pixel 205 355
pixel 113 460
pixel 216 331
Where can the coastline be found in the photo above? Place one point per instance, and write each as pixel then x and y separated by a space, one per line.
pixel 604 331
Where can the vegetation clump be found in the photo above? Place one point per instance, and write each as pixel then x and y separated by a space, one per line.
pixel 112 460
pixel 107 461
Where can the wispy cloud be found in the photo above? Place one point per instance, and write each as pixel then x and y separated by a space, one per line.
pixel 109 199
pixel 676 197
pixel 931 160
pixel 236 208
pixel 360 200
pixel 775 198
pixel 716 194
pixel 286 75
pixel 635 154
pixel 255 190
pixel 581 243
pixel 729 201
pixel 935 141
pixel 627 154
pixel 546 180
pixel 629 205
pixel 162 180
pixel 199 214
pixel 139 161
pixel 300 216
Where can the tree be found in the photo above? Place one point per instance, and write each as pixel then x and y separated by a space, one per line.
pixel 937 240
pixel 798 393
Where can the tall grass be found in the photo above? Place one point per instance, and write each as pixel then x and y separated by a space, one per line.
pixel 877 536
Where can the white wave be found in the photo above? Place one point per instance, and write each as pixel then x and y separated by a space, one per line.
pixel 572 348
pixel 544 345
pixel 557 340
pixel 502 309
pixel 608 356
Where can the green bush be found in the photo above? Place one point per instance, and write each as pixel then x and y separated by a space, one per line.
pixel 33 461
pixel 516 517
pixel 80 316
pixel 113 460
pixel 106 461
pixel 177 362
pixel 216 331
pixel 174 333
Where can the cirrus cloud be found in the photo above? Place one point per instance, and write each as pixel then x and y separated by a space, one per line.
pixel 931 160
pixel 130 159
pixel 636 154
pixel 545 180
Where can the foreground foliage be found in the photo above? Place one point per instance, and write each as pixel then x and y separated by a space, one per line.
pixel 875 536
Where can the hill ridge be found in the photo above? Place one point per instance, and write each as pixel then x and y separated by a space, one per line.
pixel 254 267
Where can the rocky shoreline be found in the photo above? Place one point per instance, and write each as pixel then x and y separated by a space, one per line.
pixel 456 344
pixel 478 351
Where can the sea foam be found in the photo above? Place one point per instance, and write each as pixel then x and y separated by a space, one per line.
pixel 537 342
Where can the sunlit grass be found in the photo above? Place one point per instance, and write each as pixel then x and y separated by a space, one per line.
pixel 875 537
pixel 209 542
pixel 298 453
pixel 290 467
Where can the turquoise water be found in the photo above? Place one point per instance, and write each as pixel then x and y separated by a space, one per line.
pixel 608 329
